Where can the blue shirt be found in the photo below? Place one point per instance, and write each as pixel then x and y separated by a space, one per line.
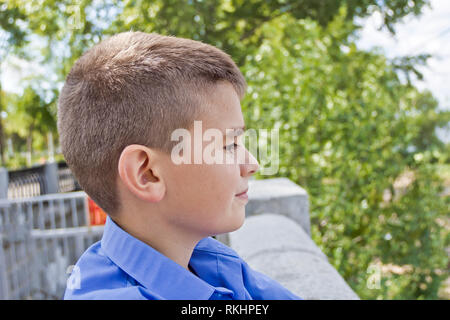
pixel 123 267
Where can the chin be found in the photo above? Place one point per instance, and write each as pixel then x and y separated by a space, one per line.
pixel 232 222
pixel 238 220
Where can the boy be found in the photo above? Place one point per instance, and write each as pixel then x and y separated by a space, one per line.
pixel 117 112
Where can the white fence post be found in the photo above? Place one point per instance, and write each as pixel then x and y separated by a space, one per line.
pixel 51 177
pixel 3 276
pixel 3 183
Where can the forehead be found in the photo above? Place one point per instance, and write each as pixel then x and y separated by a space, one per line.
pixel 222 108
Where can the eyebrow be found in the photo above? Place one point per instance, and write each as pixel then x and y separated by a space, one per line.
pixel 236 131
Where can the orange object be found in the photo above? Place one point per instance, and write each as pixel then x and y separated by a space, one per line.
pixel 96 215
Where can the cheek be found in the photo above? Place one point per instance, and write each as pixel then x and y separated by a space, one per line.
pixel 203 199
pixel 217 183
pixel 204 187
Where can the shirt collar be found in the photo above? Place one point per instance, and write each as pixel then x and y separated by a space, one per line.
pixel 151 268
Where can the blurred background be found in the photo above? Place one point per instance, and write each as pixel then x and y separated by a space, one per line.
pixel 358 89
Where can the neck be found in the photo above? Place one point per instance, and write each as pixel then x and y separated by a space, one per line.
pixel 164 238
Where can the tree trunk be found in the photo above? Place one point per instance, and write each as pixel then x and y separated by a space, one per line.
pixel 30 146
pixel 2 156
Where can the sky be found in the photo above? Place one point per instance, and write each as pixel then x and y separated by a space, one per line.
pixel 428 33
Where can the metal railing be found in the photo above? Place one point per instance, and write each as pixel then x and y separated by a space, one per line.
pixel 28 182
pixel 66 180
pixel 41 238
pixel 41 179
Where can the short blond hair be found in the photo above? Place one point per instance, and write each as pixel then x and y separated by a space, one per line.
pixel 133 88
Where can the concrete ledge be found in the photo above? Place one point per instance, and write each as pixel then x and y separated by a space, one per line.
pixel 279 195
pixel 278 247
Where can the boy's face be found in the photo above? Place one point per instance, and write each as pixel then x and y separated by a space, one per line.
pixel 202 198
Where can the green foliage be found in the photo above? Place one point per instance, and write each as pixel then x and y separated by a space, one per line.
pixel 349 126
pixel 348 129
pixel 29 118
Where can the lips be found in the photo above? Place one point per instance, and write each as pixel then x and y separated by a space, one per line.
pixel 242 194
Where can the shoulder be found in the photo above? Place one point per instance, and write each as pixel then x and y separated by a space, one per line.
pixel 95 276
pixel 258 285
pixel 211 245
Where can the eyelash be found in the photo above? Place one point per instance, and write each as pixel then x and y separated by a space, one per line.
pixel 233 145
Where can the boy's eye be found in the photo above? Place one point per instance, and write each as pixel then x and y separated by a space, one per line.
pixel 231 147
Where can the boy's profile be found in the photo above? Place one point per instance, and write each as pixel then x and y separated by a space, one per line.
pixel 119 106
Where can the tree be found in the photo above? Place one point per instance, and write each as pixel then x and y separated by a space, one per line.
pixel 349 128
pixel 228 24
pixel 12 38
pixel 31 117
pixel 231 25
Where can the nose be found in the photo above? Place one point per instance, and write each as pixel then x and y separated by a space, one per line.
pixel 250 165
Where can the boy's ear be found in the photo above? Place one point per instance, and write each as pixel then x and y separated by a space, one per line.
pixel 140 173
